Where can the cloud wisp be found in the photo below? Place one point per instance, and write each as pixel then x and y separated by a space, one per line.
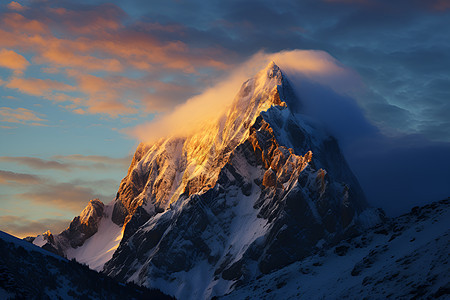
pixel 21 116
pixel 68 163
pixel 43 191
pixel 23 226
pixel 36 163
pixel 312 66
pixel 13 178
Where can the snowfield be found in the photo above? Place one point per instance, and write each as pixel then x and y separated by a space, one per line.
pixel 405 258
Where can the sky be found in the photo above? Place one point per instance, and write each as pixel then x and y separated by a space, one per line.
pixel 81 80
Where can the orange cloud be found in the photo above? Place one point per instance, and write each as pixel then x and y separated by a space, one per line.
pixel 81 45
pixel 18 23
pixel 8 178
pixel 13 5
pixel 62 195
pixel 22 227
pixel 11 60
pixel 318 66
pixel 36 163
pixel 20 115
pixel 37 87
pixel 95 20
pixel 65 57
pixel 106 95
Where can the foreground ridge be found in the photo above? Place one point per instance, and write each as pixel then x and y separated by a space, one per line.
pixel 403 258
pixel 29 272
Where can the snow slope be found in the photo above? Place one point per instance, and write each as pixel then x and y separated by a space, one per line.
pixel 99 248
pixel 30 272
pixel 405 258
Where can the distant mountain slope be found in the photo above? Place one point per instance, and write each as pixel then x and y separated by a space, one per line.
pixel 29 272
pixel 405 258
pixel 91 237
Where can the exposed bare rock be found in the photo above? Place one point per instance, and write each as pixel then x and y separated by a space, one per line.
pixel 270 178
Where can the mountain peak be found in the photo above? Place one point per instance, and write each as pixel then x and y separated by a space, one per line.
pixel 270 75
pixel 273 70
pixel 92 211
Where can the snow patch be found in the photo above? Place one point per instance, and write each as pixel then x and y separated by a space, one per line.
pixel 99 248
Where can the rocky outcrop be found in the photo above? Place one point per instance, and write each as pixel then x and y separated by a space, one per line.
pixel 80 229
pixel 85 225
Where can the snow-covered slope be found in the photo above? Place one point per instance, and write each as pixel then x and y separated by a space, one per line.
pixel 29 272
pixel 404 258
pixel 99 248
pixel 91 238
pixel 254 191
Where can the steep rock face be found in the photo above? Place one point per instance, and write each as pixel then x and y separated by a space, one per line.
pixel 85 225
pixel 160 173
pixel 80 229
pixel 257 190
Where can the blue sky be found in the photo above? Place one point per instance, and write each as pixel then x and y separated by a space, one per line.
pixel 77 76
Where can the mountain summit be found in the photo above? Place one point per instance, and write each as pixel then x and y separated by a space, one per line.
pixel 199 215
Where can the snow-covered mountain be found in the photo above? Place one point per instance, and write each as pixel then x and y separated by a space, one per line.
pixel 254 191
pixel 246 195
pixel 91 237
pixel 29 272
pixel 403 258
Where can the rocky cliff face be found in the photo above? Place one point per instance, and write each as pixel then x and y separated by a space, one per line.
pixel 80 229
pixel 259 189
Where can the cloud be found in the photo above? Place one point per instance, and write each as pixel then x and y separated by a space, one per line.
pixel 70 162
pixel 43 191
pixel 106 48
pixel 13 5
pixel 96 159
pixel 38 87
pixel 402 172
pixel 12 178
pixel 21 115
pixel 66 196
pixel 36 163
pixel 22 227
pixel 11 60
pixel 315 66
